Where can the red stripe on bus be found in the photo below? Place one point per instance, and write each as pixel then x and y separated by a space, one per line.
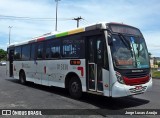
pixel 40 39
pixel 136 81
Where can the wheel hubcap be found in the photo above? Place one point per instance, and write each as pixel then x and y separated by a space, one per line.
pixel 74 87
pixel 22 79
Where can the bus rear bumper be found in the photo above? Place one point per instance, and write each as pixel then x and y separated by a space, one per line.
pixel 121 90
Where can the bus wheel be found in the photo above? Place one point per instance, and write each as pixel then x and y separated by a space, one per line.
pixel 75 88
pixel 22 77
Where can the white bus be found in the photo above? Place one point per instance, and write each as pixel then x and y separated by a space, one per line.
pixel 107 59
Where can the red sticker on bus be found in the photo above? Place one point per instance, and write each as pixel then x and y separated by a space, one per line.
pixel 81 69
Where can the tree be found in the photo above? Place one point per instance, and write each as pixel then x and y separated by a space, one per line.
pixel 3 54
pixel 159 64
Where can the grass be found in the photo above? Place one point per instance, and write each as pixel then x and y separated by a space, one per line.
pixel 155 74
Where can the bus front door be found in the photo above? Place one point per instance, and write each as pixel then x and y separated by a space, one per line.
pixel 11 54
pixel 95 63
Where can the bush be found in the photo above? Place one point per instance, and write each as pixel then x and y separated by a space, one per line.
pixel 155 74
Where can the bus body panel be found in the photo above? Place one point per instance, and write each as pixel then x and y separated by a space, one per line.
pixel 30 71
pixel 121 90
pixel 106 82
pixel 17 66
pixel 50 72
pixel 7 68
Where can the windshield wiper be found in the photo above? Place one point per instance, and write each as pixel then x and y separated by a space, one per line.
pixel 138 48
pixel 125 41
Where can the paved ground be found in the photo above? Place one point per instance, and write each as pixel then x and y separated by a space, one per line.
pixel 31 96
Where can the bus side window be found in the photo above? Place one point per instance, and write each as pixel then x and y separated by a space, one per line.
pixel 17 53
pixel 91 50
pixel 100 51
pixel 32 56
pixel 55 49
pixel 48 50
pixel 102 56
pixel 25 52
pixel 40 51
pixel 73 47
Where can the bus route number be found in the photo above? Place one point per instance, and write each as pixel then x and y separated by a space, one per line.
pixel 62 67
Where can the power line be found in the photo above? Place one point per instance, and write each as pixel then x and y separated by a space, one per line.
pixel 30 18
pixel 6 17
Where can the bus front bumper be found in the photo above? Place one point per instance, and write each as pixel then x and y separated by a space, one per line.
pixel 121 90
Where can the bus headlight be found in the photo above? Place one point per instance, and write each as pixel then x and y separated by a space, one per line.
pixel 119 78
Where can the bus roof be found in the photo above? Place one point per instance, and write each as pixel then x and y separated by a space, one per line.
pixel 52 35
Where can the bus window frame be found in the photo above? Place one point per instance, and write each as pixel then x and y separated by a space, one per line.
pixel 19 46
pixel 73 38
pixel 96 33
pixel 36 50
pixel 29 52
pixel 51 40
pixel 70 37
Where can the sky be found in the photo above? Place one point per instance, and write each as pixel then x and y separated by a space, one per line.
pixel 143 14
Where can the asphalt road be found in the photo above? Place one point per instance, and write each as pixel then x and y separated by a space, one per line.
pixel 13 95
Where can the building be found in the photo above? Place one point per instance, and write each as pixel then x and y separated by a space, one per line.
pixel 154 62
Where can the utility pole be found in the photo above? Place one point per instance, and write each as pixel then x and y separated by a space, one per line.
pixel 10 27
pixel 78 19
pixel 56 13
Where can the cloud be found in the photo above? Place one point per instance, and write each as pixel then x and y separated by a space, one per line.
pixel 24 29
pixel 142 14
pixel 152 40
pixel 24 8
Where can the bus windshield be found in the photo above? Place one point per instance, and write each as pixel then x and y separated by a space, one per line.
pixel 129 52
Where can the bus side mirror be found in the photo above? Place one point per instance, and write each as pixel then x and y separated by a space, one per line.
pixel 110 41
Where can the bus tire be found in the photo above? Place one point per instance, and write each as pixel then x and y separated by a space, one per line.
pixel 22 77
pixel 75 88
